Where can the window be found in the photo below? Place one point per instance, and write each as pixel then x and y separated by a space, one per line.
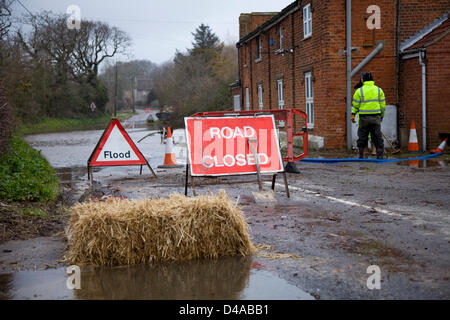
pixel 309 94
pixel 237 102
pixel 307 21
pixel 260 96
pixel 281 38
pixel 258 48
pixel 280 94
pixel 247 99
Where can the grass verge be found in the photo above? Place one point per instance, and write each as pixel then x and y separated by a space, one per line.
pixel 31 203
pixel 48 125
pixel 25 175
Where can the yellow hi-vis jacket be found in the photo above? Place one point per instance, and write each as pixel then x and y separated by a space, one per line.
pixel 369 99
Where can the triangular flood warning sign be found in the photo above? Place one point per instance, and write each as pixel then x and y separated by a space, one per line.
pixel 116 148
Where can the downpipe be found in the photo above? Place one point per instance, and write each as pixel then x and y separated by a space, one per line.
pixel 424 99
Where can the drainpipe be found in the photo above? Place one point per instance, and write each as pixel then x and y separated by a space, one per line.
pixel 367 59
pixel 239 71
pixel 424 99
pixel 348 29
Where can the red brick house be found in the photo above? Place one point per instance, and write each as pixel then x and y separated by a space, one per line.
pixel 426 63
pixel 297 59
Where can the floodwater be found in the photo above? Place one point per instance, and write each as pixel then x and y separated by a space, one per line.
pixel 227 278
pixel 231 278
pixel 71 150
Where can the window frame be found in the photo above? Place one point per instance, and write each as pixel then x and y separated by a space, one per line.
pixel 258 48
pixel 280 91
pixel 260 97
pixel 237 106
pixel 281 38
pixel 309 99
pixel 307 21
pixel 247 99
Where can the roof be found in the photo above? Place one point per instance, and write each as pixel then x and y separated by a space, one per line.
pixel 435 31
pixel 275 19
pixel 260 13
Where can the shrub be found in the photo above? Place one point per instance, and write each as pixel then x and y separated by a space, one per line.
pixel 25 175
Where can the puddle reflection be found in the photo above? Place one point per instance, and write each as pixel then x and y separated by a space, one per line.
pixel 424 163
pixel 231 278
pixel 200 279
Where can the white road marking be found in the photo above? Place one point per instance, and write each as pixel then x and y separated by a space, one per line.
pixel 346 202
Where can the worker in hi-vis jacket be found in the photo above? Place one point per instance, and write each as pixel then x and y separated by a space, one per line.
pixel 369 101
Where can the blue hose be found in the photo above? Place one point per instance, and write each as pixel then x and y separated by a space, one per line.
pixel 369 160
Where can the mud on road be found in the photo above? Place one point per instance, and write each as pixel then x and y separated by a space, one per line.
pixel 340 220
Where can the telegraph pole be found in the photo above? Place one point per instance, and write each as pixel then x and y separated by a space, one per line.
pixel 115 92
pixel 133 83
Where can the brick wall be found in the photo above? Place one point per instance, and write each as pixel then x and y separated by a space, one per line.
pixel 414 15
pixel 438 105
pixel 250 21
pixel 323 55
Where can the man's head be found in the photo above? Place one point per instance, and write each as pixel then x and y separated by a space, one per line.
pixel 366 76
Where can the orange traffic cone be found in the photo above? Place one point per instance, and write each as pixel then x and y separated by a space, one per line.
pixel 170 160
pixel 413 163
pixel 441 147
pixel 413 145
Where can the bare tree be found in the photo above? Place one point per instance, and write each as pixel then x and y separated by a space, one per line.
pixel 94 42
pixel 5 15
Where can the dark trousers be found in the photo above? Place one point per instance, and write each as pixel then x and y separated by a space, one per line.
pixel 370 123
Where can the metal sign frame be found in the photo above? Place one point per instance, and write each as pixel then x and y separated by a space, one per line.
pixel 233 114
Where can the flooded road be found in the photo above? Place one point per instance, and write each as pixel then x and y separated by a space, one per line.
pixel 72 149
pixel 232 278
pixel 68 152
pixel 226 278
pixel 340 219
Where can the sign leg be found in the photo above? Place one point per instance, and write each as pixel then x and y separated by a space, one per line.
pixel 140 171
pixel 148 165
pixel 187 180
pixel 255 154
pixel 90 177
pixel 286 185
pixel 193 187
pixel 274 178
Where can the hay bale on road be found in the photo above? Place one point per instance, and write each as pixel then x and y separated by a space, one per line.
pixel 127 232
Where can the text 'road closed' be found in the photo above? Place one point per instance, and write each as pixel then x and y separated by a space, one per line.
pixel 220 146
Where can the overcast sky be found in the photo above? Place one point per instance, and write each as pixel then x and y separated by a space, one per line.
pixel 158 28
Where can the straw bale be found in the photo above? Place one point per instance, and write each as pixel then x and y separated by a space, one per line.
pixel 128 232
pixel 268 252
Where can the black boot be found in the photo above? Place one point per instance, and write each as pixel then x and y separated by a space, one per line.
pixel 361 153
pixel 380 154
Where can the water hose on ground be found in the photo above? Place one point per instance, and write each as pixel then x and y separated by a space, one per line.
pixel 430 156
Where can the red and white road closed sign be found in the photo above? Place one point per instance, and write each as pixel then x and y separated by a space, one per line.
pixel 219 146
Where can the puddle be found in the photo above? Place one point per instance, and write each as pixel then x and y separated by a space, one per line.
pixel 225 279
pixel 424 163
pixel 70 176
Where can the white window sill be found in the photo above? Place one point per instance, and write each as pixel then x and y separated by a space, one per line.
pixel 310 126
pixel 258 60
pixel 279 51
pixel 307 37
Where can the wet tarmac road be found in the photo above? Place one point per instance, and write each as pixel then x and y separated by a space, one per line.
pixel 340 219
